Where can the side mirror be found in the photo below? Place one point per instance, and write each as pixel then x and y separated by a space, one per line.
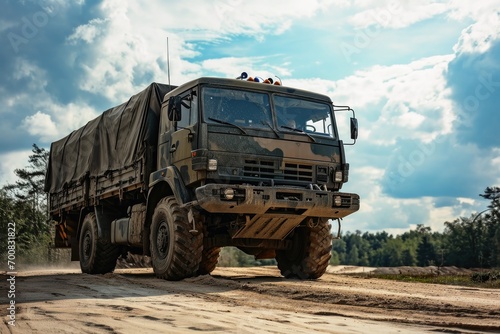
pixel 354 128
pixel 174 108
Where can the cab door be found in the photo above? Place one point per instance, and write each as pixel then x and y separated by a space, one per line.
pixel 164 138
pixel 184 136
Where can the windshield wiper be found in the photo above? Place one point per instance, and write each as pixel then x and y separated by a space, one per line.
pixel 298 130
pixel 270 126
pixel 227 123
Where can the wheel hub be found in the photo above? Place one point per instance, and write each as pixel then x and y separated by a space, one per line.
pixel 162 240
pixel 87 245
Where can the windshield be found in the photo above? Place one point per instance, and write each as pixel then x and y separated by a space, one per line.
pixel 303 115
pixel 248 109
pixel 236 107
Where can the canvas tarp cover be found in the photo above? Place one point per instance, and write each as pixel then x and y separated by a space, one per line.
pixel 116 139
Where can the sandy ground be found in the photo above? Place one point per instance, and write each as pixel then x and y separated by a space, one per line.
pixel 242 300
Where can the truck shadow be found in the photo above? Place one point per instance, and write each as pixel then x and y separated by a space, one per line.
pixel 52 285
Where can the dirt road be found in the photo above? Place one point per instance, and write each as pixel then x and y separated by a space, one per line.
pixel 242 300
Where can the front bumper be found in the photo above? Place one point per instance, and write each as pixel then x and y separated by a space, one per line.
pixel 248 199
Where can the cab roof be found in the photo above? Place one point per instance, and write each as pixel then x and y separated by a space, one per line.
pixel 247 85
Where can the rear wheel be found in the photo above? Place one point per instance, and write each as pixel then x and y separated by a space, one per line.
pixel 310 253
pixel 175 252
pixel 96 256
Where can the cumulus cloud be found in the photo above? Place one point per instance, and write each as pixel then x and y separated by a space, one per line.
pixel 441 168
pixel 396 14
pixel 88 32
pixel 411 100
pixel 40 125
pixel 57 120
pixel 474 79
pixel 476 10
pixel 11 161
pixel 129 51
pixel 255 66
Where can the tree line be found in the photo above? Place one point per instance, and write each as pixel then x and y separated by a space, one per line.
pixel 465 242
pixel 24 203
pixel 470 242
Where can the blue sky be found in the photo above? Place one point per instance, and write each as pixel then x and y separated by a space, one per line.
pixel 423 77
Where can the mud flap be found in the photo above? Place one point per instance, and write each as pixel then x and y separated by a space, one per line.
pixel 75 254
pixel 103 224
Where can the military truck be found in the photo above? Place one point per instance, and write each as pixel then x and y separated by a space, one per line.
pixel 177 173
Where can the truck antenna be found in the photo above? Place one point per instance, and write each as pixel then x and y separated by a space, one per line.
pixel 168 65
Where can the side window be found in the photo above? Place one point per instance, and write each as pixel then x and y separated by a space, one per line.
pixel 189 109
pixel 164 118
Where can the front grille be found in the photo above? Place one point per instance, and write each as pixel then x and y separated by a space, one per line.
pixel 259 168
pixel 298 172
pixel 268 169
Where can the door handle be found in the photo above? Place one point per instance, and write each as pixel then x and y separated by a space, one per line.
pixel 173 148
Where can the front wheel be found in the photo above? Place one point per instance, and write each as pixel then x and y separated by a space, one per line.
pixel 96 256
pixel 310 252
pixel 175 252
pixel 209 260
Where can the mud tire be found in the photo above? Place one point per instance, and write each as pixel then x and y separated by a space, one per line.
pixel 310 253
pixel 209 260
pixel 96 255
pixel 175 252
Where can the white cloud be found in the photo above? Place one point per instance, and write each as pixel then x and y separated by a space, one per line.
pixel 25 69
pixel 410 120
pixel 396 14
pixel 495 163
pixel 413 100
pixel 254 66
pixel 400 14
pixel 41 125
pixel 129 42
pixel 478 37
pixel 460 9
pixel 57 120
pixel 11 161
pixel 88 32
pixel 230 17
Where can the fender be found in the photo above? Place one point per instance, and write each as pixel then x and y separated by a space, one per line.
pixel 172 177
pixel 164 182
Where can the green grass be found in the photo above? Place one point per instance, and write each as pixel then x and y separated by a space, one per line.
pixel 487 279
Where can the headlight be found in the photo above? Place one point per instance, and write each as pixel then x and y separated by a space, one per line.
pixel 337 201
pixel 212 164
pixel 228 193
pixel 338 176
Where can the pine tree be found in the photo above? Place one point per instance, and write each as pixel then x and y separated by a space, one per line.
pixel 426 253
pixel 492 225
pixel 24 203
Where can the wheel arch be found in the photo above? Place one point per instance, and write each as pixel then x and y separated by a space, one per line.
pixel 164 182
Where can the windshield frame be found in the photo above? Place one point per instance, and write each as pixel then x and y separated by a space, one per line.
pixel 273 113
